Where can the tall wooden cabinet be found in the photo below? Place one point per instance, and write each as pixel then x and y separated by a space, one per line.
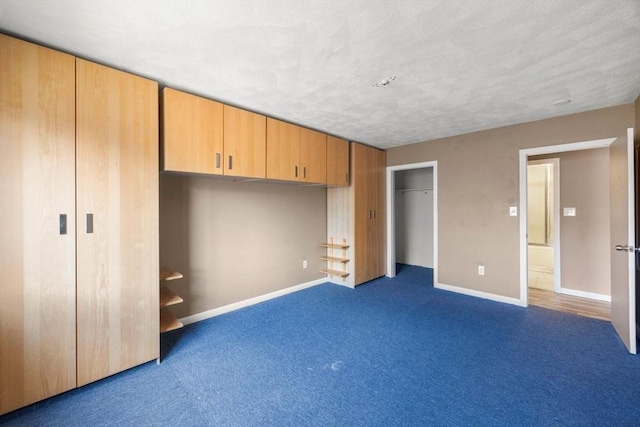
pixel 117 211
pixel 78 256
pixel 37 217
pixel 356 215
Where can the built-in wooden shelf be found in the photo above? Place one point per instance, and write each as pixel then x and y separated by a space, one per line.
pixel 168 321
pixel 168 274
pixel 334 259
pixel 336 256
pixel 334 246
pixel 168 297
pixel 334 272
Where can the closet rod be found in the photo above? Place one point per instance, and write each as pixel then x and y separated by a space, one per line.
pixel 414 189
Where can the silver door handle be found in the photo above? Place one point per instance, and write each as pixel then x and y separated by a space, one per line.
pixel 626 248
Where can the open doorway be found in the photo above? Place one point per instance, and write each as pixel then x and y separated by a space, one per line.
pixel 412 238
pixel 543 213
pixel 572 208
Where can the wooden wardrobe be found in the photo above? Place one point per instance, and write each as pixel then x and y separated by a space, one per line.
pixel 356 216
pixel 78 222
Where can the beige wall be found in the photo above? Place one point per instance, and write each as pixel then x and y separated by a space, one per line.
pixel 235 241
pixel 478 181
pixel 584 239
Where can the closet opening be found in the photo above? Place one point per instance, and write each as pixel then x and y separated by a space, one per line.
pixel 412 217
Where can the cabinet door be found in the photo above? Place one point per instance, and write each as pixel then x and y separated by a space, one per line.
pixel 244 143
pixel 283 150
pixel 192 133
pixel 337 161
pixel 379 242
pixel 37 255
pixel 360 165
pixel 313 156
pixel 117 217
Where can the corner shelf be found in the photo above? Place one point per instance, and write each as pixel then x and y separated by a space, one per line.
pixel 168 321
pixel 336 254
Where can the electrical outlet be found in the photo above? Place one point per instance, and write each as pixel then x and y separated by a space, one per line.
pixel 304 264
pixel 481 270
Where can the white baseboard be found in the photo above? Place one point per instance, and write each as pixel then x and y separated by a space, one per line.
pixel 480 294
pixel 248 302
pixel 583 294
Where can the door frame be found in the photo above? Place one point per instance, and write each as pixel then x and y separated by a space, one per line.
pixel 523 160
pixel 391 231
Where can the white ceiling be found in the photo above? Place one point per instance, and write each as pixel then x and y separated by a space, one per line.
pixel 460 65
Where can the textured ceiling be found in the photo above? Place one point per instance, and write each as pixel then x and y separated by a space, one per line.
pixel 459 65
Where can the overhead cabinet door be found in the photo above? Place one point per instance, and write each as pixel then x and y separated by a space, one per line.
pixel 117 202
pixel 244 143
pixel 337 161
pixel 313 156
pixel 192 133
pixel 283 150
pixel 37 223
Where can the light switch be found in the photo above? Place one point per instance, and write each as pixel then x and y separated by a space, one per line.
pixel 513 211
pixel 569 211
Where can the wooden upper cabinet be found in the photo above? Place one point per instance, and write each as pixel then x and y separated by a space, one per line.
pixel 192 132
pixel 283 150
pixel 244 143
pixel 117 220
pixel 313 156
pixel 295 153
pixel 337 161
pixel 37 251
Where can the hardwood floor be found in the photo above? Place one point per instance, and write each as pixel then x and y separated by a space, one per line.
pixel 570 304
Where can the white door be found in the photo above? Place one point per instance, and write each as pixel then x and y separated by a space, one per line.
pixel 623 309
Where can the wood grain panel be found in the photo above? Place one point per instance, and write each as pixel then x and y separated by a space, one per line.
pixel 192 132
pixel 337 161
pixel 313 156
pixel 37 184
pixel 117 172
pixel 244 143
pixel 379 218
pixel 360 164
pixel 283 150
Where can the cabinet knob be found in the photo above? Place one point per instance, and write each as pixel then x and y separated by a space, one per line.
pixel 295 168
pixel 217 160
pixel 230 162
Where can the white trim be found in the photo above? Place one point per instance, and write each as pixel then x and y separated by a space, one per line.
pixel 391 231
pixel 584 294
pixel 631 238
pixel 557 262
pixel 524 240
pixel 574 146
pixel 391 223
pixel 249 302
pixel 480 294
pixel 523 159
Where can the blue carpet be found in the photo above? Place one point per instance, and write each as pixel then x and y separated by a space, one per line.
pixel 391 352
